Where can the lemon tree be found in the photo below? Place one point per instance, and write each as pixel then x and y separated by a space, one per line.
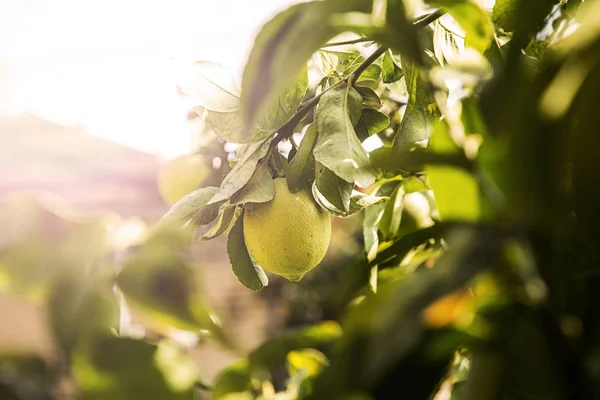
pixel 460 135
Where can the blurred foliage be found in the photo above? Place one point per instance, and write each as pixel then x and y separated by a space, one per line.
pixel 461 154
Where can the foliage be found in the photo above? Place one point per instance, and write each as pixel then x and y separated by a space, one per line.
pixel 466 142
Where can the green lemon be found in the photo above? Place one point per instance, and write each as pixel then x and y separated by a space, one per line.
pixel 289 235
pixel 180 176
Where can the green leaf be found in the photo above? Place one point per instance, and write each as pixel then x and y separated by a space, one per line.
pixel 284 45
pixel 456 192
pixel 504 14
pixel 416 124
pixel 392 215
pixel 302 167
pixel 247 271
pixel 372 216
pixel 371 122
pixel 335 190
pixel 243 171
pixel 233 379
pixel 189 205
pixel 259 189
pixel 72 301
pixel 473 19
pixel 338 148
pixel 273 354
pixel 125 369
pixel 207 213
pixel 227 217
pixel 165 287
pixel 390 71
pixel 215 97
pixel 370 99
pixel 330 61
pixel 402 245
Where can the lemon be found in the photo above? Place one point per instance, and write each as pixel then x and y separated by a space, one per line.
pixel 289 235
pixel 180 176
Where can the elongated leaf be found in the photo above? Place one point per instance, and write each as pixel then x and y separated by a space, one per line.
pixel 392 215
pixel 302 167
pixel 249 274
pixel 338 148
pixel 185 208
pixel 243 170
pixel 335 190
pixel 504 14
pixel 473 19
pixel 370 99
pixel 259 189
pixel 233 379
pixel 225 221
pixel 372 216
pixel 416 124
pixel 284 45
pixel 206 213
pixel 358 201
pixel 370 123
pixel 390 71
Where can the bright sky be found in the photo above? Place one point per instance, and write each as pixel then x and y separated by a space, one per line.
pixel 108 65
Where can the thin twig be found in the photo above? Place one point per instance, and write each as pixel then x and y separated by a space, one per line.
pixel 346 42
pixel 287 129
pixel 365 64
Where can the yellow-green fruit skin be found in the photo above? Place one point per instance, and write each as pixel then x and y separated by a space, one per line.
pixel 180 176
pixel 289 235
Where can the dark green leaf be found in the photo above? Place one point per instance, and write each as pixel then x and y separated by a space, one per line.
pixel 371 122
pixel 370 99
pixel 233 379
pixel 334 189
pixel 302 167
pixel 248 272
pixel 338 147
pixel 372 216
pixel 390 71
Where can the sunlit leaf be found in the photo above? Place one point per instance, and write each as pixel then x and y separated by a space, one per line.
pixel 243 171
pixel 284 45
pixel 259 189
pixel 338 148
pixel 416 124
pixel 185 208
pixel 233 379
